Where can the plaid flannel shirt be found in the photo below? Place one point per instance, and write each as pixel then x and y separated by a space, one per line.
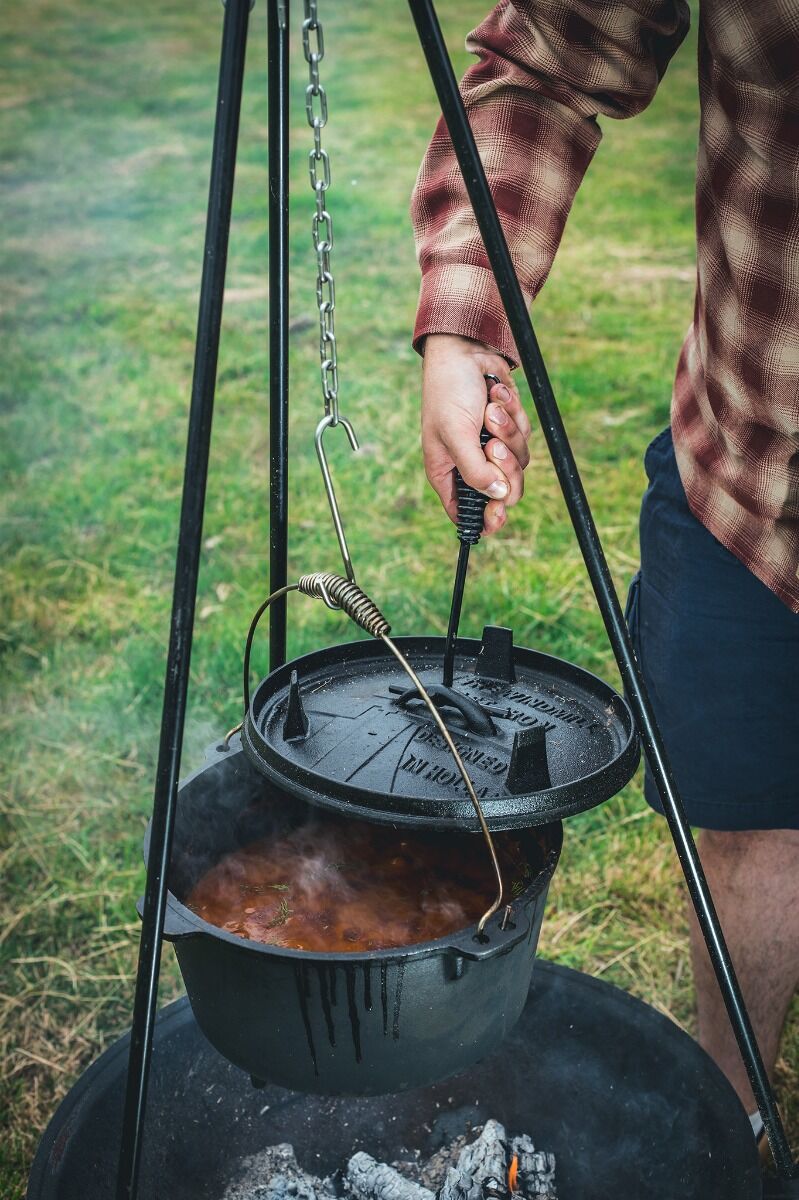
pixel 547 69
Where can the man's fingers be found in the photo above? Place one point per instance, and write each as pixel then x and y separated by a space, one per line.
pixel 495 364
pixel 497 452
pixel 495 516
pixel 508 397
pixel 448 500
pixel 501 424
pixel 484 476
pixel 454 406
pixel 443 484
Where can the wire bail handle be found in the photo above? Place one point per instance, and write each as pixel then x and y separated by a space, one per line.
pixel 344 594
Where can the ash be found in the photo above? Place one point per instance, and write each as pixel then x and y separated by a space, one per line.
pixel 275 1174
pixel 463 1170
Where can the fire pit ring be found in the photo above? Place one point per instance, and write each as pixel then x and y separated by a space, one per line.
pixel 629 1103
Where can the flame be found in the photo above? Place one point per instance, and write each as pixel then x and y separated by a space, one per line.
pixel 513 1172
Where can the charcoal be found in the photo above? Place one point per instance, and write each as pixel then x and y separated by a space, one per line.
pixel 482 1167
pixel 536 1178
pixel 367 1179
pixel 433 1173
pixel 461 1170
pixel 411 1168
pixel 275 1174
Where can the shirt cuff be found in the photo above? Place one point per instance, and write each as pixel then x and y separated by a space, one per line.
pixel 463 299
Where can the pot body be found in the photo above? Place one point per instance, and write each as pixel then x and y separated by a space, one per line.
pixel 359 1024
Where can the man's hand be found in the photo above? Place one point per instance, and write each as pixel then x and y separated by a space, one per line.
pixel 453 413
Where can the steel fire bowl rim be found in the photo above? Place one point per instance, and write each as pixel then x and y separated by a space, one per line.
pixel 503 813
pixel 181 922
pixel 75 1141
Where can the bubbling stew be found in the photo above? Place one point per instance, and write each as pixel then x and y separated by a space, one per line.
pixel 338 885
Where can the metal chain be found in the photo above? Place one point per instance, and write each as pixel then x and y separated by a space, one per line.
pixel 313 43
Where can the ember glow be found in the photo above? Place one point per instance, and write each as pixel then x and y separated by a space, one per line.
pixel 481 1168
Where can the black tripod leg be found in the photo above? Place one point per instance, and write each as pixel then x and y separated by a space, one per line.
pixel 278 95
pixel 446 86
pixel 231 73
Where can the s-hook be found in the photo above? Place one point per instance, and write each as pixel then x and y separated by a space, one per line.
pixel 328 421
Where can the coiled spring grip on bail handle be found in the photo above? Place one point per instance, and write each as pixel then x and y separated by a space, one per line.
pixel 344 595
pixel 340 595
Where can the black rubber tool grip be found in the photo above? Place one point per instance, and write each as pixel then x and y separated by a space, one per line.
pixel 471 503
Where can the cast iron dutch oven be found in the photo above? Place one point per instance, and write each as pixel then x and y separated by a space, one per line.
pixel 330 1023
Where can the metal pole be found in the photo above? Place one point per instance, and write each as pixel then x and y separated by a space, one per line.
pixel 450 645
pixel 446 86
pixel 231 71
pixel 278 137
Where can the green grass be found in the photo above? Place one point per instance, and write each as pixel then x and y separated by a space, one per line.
pixel 104 153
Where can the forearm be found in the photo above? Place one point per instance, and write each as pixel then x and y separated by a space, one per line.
pixel 546 70
pixel 533 175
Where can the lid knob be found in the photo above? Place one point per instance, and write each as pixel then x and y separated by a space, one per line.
pixel 296 723
pixel 529 769
pixel 495 658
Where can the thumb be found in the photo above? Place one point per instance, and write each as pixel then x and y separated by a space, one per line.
pixel 477 471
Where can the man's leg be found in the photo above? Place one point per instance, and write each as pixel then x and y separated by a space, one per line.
pixel 754 878
pixel 720 656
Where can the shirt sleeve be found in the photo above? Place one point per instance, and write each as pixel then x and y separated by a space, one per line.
pixel 546 70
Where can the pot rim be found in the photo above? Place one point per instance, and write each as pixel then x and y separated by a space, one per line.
pixel 184 916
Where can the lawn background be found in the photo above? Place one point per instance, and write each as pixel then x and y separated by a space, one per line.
pixel 104 155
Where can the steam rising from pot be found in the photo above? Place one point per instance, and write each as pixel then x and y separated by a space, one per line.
pixel 331 884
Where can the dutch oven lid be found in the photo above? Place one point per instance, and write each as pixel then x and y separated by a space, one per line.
pixel 541 738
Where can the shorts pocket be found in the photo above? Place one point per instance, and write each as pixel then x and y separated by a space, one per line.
pixel 632 611
pixel 659 452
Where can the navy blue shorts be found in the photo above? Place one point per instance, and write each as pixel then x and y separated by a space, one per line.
pixel 720 655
